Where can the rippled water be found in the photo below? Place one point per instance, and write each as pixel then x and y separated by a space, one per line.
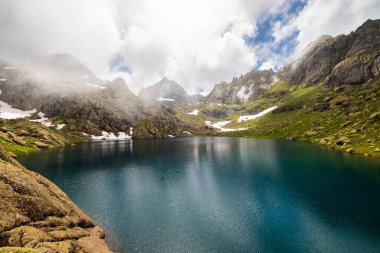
pixel 221 194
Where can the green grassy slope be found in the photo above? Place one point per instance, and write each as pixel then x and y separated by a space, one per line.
pixel 351 123
pixel 20 137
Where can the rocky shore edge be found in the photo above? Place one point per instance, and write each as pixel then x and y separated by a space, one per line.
pixel 36 216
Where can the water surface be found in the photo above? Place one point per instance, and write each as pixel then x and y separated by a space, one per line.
pixel 221 194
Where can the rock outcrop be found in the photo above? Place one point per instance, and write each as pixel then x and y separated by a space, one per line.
pixel 36 215
pixel 357 69
pixel 345 59
pixel 162 124
pixel 246 88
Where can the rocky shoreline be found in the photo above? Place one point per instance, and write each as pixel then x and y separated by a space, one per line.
pixel 36 216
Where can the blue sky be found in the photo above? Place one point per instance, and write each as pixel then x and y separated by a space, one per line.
pixel 264 35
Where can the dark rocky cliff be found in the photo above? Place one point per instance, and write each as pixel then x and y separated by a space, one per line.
pixel 345 59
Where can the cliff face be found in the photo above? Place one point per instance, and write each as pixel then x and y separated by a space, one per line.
pixel 345 59
pixel 243 89
pixel 35 214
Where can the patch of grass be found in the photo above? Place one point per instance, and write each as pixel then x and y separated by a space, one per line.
pixel 281 87
pixel 15 148
pixel 198 120
pixel 301 97
pixel 30 133
pixel 260 104
pixel 235 117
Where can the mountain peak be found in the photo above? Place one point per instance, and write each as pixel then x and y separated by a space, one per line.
pixel 57 73
pixel 65 62
pixel 119 80
pixel 369 23
pixel 168 89
pixel 120 87
pixel 165 79
pixel 167 82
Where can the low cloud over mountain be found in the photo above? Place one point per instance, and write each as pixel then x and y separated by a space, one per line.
pixel 197 43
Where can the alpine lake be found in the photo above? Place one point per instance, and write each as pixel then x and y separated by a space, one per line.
pixel 220 194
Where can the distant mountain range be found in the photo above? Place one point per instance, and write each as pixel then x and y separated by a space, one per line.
pixel 67 92
pixel 329 96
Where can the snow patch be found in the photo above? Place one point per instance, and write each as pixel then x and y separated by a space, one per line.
pixel 43 120
pixel 233 129
pixel 95 86
pixel 219 124
pixel 111 136
pixel 164 99
pixel 251 117
pixel 8 112
pixel 195 112
pixel 3 80
pixel 60 126
pixel 46 122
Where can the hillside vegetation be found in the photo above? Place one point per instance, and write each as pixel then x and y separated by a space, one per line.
pixel 20 137
pixel 346 118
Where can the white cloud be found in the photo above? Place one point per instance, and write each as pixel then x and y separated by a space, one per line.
pixel 281 31
pixel 196 42
pixel 267 65
pixel 83 28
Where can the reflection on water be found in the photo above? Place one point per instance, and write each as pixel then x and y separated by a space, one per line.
pixel 221 194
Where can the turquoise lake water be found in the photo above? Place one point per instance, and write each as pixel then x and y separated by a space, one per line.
pixel 206 194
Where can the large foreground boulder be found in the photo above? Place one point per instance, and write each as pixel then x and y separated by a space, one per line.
pixel 37 216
